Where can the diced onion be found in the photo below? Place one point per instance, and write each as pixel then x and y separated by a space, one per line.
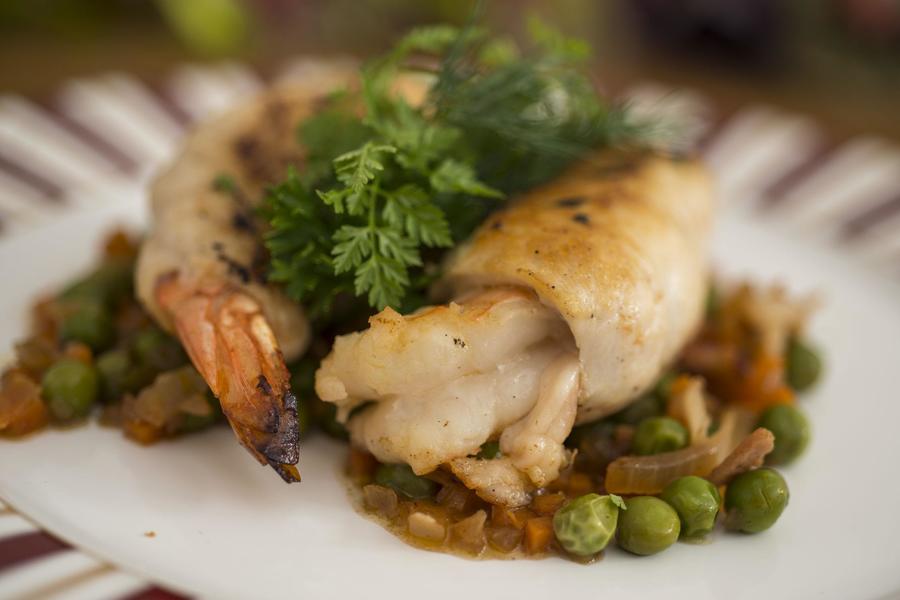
pixel 468 534
pixel 650 474
pixel 425 526
pixel 381 500
pixel 687 405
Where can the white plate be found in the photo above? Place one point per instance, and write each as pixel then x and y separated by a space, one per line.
pixel 226 527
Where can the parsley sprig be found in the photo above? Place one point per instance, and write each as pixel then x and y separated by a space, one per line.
pixel 382 195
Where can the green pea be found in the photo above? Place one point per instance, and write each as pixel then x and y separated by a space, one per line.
pixel 109 284
pixel 647 526
pixel 120 374
pixel 659 434
pixel 83 291
pixel 401 479
pixel 804 366
pixel 754 500
pixel 116 278
pixel 70 388
pixel 115 368
pixel 649 405
pixel 489 450
pixel 158 350
pixel 585 525
pixel 89 323
pixel 696 501
pixel 791 431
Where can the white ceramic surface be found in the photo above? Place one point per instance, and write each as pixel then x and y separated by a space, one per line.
pixel 226 527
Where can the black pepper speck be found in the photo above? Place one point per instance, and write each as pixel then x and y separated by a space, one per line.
pixel 581 218
pixel 570 202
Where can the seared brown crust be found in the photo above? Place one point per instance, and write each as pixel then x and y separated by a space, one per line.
pixel 618 246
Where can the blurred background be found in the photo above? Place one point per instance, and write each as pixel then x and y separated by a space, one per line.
pixel 838 60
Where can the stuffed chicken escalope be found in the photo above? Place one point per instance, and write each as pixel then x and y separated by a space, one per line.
pixel 490 281
pixel 566 306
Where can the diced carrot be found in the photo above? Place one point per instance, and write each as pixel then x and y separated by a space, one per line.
pixel 45 318
pixel 680 384
pixel 538 534
pixel 580 484
pixel 547 504
pixel 142 432
pixel 22 410
pixel 35 355
pixel 78 351
pixel 763 386
pixel 361 464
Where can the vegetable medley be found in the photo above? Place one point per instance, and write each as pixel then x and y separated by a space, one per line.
pixel 94 349
pixel 667 467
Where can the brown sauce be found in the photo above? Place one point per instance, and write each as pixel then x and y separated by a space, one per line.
pixel 456 521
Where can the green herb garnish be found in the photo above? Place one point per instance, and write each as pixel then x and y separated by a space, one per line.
pixel 383 195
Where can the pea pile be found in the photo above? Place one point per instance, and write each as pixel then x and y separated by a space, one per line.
pixel 573 517
pixel 576 517
pixel 93 350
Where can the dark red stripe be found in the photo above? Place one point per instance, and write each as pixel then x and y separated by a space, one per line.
pixel 780 188
pixel 27 546
pixel 104 147
pixel 716 126
pixel 860 224
pixel 169 105
pixel 40 184
pixel 155 593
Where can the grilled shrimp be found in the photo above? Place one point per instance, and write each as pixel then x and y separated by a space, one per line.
pixel 568 304
pixel 201 268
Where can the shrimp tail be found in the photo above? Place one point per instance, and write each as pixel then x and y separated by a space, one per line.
pixel 230 342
